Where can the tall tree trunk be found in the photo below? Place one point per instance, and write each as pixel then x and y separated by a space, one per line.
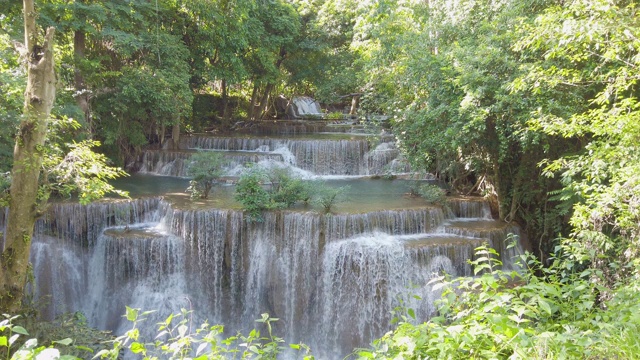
pixel 262 107
pixel 175 136
pixel 252 104
pixel 225 102
pixel 355 101
pixel 27 160
pixel 82 94
pixel 161 134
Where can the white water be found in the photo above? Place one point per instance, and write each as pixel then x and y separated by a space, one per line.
pixel 326 159
pixel 305 106
pixel 331 279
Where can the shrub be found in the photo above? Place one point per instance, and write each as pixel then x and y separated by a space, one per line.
pixel 250 192
pixel 175 340
pixel 327 196
pixel 205 168
pixel 287 189
pixel 433 194
pixel 335 115
pixel 541 312
pixel 13 345
pixel 259 190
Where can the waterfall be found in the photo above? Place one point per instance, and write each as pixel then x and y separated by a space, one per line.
pixel 61 273
pixel 282 269
pixel 214 264
pixel 366 278
pixel 137 267
pixel 332 279
pixel 82 224
pixel 176 163
pixel 305 106
pixel 394 222
pixel 340 157
pixel 470 208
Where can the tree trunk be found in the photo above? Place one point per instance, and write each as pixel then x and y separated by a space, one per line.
pixel 252 104
pixel 27 160
pixel 354 104
pixel 225 102
pixel 82 94
pixel 175 136
pixel 161 133
pixel 263 108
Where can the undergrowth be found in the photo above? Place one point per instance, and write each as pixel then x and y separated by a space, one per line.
pixel 554 312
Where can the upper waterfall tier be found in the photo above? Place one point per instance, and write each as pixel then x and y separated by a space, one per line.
pixel 295 127
pixel 176 163
pixel 326 156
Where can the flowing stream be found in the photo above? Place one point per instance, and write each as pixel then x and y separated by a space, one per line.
pixel 332 279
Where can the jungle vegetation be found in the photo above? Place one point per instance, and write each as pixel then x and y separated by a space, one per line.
pixel 532 103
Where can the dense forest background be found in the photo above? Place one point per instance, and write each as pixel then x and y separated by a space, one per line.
pixel 531 103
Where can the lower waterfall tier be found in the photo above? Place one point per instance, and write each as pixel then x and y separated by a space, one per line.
pixel 332 280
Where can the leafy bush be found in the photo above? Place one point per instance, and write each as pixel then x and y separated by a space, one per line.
pixel 336 115
pixel 175 340
pixel 259 190
pixel 250 192
pixel 542 313
pixel 433 194
pixel 206 168
pixel 76 168
pixel 287 189
pixel 83 341
pixel 12 346
pixel 327 196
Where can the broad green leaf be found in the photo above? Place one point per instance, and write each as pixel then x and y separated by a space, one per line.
pixel 411 313
pixel 132 314
pixel 19 330
pixel 137 347
pixel 66 341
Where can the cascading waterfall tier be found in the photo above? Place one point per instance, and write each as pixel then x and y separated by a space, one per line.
pixel 176 163
pixel 322 157
pixel 332 279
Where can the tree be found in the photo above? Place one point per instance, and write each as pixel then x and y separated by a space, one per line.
pixel 45 161
pixel 206 168
pixel 275 26
pixel 594 53
pixel 445 73
pixel 39 97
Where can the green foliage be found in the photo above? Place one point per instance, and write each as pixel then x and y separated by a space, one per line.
pixel 81 340
pixel 541 312
pixel 12 85
pixel 176 340
pixel 493 97
pixel 78 170
pixel 433 194
pixel 336 115
pixel 10 338
pixel 601 181
pixel 259 190
pixel 286 189
pixel 251 193
pixel 327 197
pixel 5 183
pixel 205 167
